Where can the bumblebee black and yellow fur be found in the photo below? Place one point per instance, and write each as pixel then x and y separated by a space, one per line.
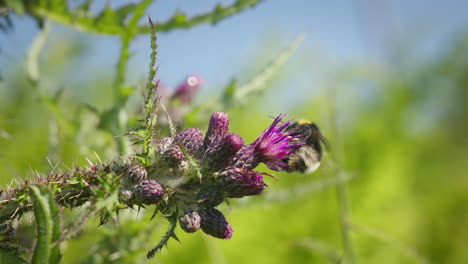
pixel 306 159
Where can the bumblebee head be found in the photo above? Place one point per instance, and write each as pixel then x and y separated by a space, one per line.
pixel 304 122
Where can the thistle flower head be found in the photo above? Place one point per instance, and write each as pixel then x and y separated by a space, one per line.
pixel 274 145
pixel 148 192
pixel 238 183
pixel 189 221
pixel 215 224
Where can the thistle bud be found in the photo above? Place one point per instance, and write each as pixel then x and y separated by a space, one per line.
pixel 163 145
pixel 126 196
pixel 118 167
pixel 210 196
pixel 246 158
pixel 148 192
pixel 191 139
pixel 215 224
pixel 136 173
pixel 218 155
pixel 239 183
pixel 190 221
pixel 217 130
pixel 174 155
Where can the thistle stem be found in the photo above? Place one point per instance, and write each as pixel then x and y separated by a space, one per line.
pixel 341 191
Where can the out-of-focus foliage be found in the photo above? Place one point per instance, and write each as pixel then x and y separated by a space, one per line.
pixel 113 21
pixel 401 134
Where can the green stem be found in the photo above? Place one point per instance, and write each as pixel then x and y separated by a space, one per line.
pixel 343 202
pixel 88 23
pixel 119 97
pixel 121 93
pixel 341 191
pixel 169 233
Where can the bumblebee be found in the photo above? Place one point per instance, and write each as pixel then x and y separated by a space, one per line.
pixel 306 159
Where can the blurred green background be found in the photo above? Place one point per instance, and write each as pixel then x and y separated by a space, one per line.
pixel 395 116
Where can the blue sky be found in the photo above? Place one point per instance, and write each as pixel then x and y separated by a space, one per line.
pixel 343 31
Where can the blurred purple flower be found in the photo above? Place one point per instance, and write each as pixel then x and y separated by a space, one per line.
pixel 187 90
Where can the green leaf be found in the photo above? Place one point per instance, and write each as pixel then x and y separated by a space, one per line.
pixel 115 18
pixel 137 15
pixel 58 95
pixel 126 91
pixel 220 12
pixel 7 257
pixel 85 6
pixel 178 20
pixel 32 59
pixel 59 6
pixel 112 22
pixel 122 12
pixel 106 17
pixel 48 226
pixel 229 92
pixel 17 6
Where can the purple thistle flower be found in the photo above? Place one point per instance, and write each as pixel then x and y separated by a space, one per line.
pixel 218 154
pixel 189 221
pixel 217 130
pixel 148 192
pixel 239 183
pixel 215 224
pixel 274 145
pixel 187 90
pixel 191 139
